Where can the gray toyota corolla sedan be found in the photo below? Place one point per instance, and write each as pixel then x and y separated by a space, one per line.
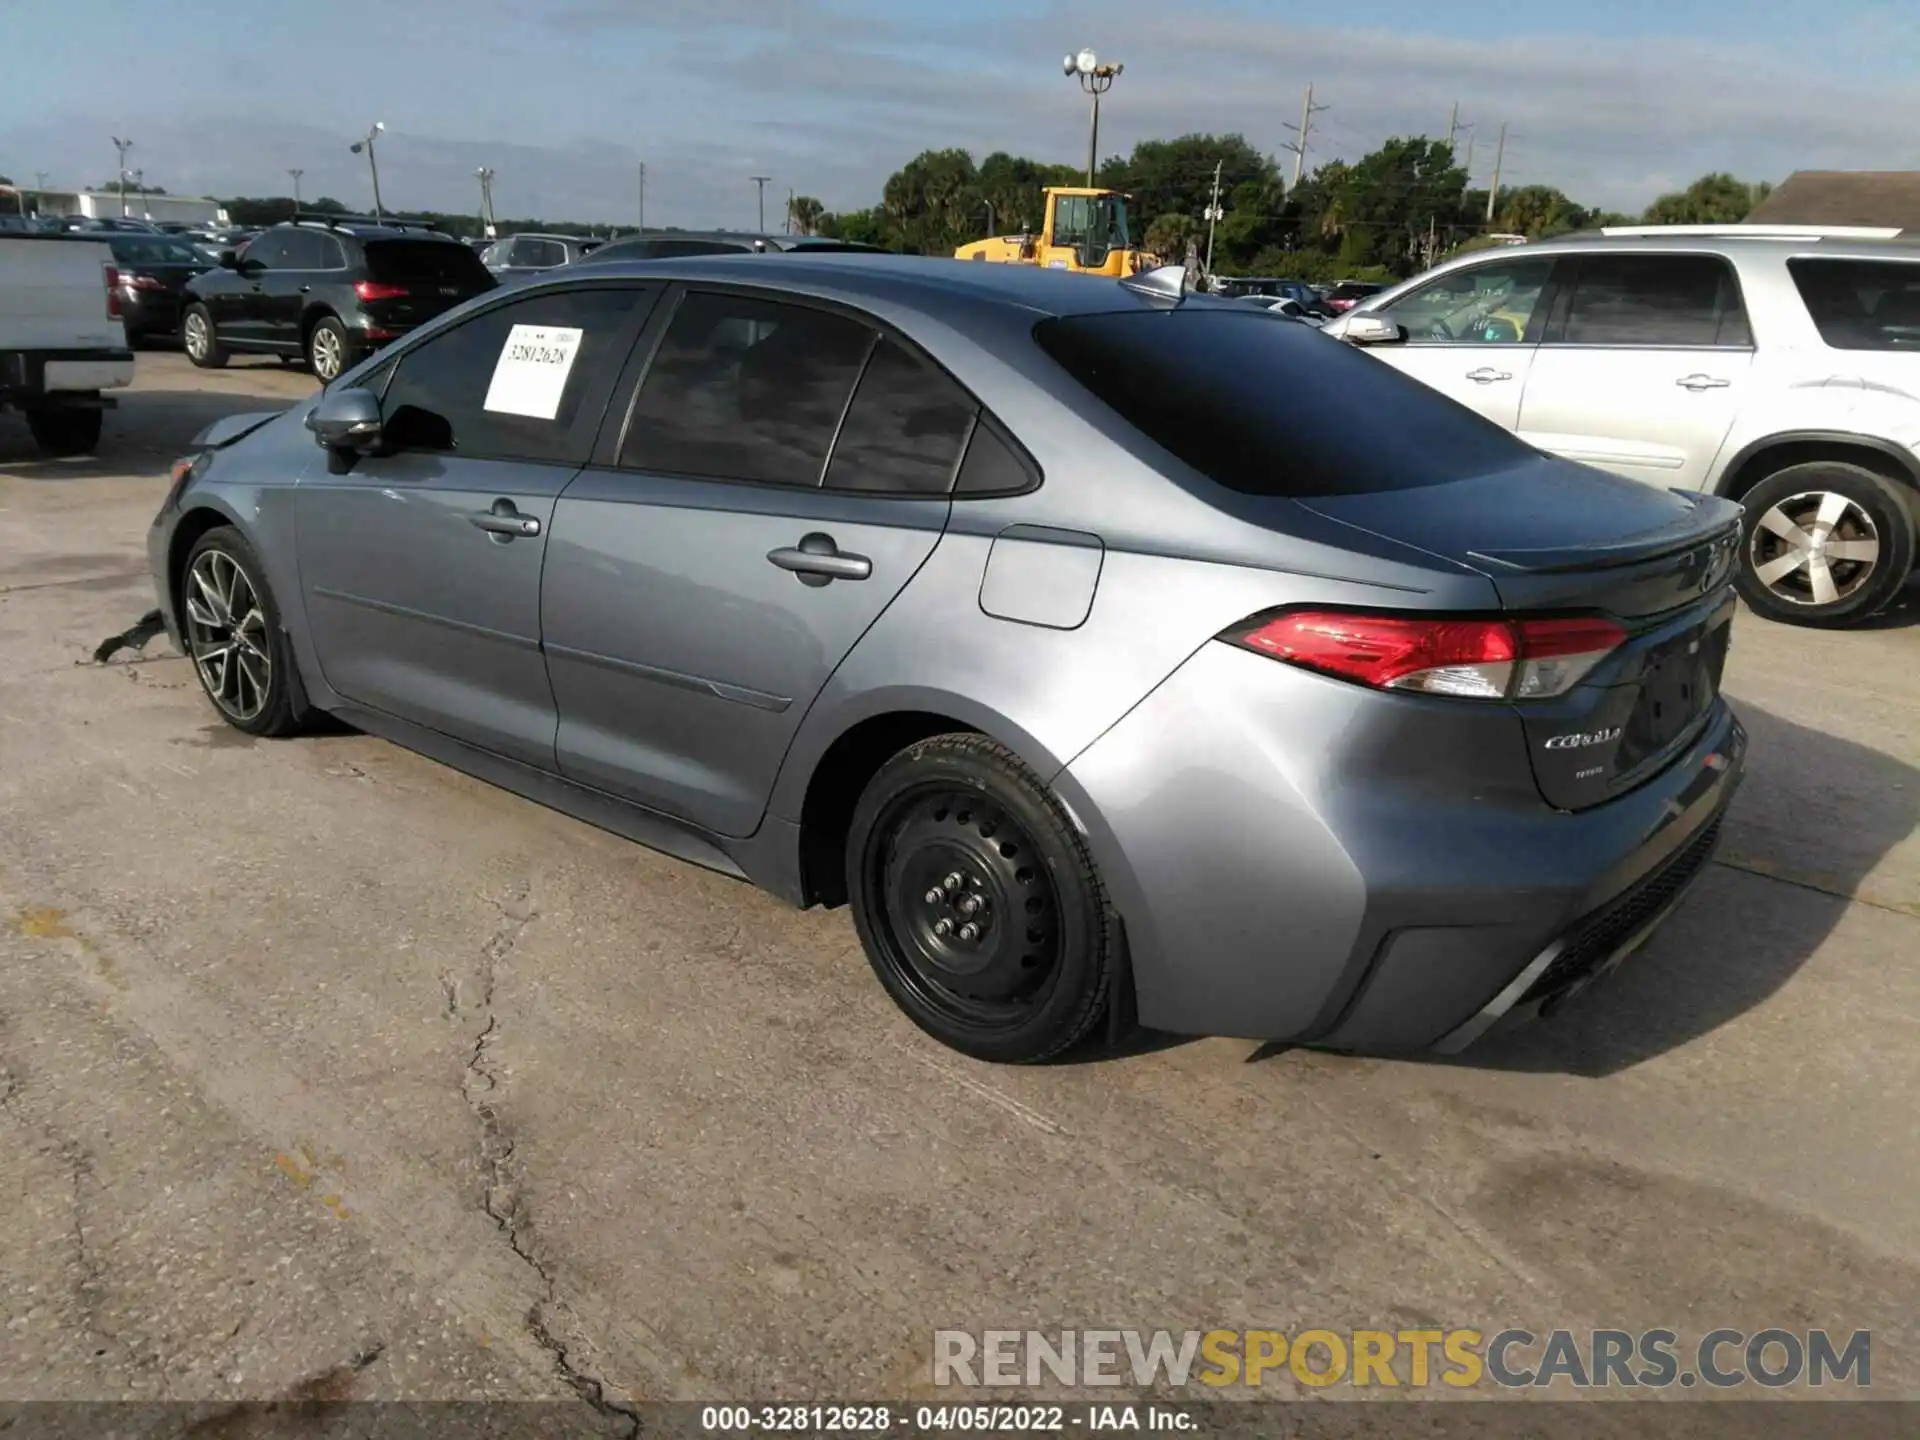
pixel 1110 652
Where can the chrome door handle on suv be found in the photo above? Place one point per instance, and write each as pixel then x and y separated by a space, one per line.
pixel 505 522
pixel 1486 375
pixel 816 560
pixel 1697 383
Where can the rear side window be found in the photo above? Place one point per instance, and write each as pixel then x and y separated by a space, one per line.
pixel 1267 407
pixel 904 430
pixel 488 390
pixel 745 389
pixel 542 253
pixel 1862 304
pixel 304 250
pixel 427 262
pixel 1690 300
pixel 994 464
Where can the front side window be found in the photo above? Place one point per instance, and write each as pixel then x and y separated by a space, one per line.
pixel 1072 219
pixel 508 384
pixel 1477 305
pixel 1685 300
pixel 267 251
pixel 745 389
pixel 1861 304
pixel 303 250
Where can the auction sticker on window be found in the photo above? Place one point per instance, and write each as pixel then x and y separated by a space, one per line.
pixel 531 375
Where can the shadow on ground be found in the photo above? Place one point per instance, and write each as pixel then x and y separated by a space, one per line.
pixel 147 430
pixel 1816 817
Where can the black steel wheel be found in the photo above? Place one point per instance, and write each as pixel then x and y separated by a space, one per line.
pixel 231 627
pixel 977 902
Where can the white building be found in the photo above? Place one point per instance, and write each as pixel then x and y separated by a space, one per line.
pixel 140 205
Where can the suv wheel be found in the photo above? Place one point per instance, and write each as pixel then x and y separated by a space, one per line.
pixel 1824 544
pixel 329 351
pixel 200 341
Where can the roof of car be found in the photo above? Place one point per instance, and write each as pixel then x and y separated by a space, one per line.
pixel 1748 239
pixel 927 282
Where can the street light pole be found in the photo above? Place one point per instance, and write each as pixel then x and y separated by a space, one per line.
pixel 122 146
pixel 761 181
pixel 487 226
pixel 296 173
pixel 1214 215
pixel 372 164
pixel 1095 79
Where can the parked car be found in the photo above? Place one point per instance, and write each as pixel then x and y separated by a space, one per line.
pixel 62 342
pixel 519 257
pixel 151 275
pixel 1779 369
pixel 1007 608
pixel 328 293
pixel 682 244
pixel 1261 287
pixel 1349 293
pixel 1294 310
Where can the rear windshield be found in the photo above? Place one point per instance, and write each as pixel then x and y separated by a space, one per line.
pixel 427 262
pixel 1862 304
pixel 666 249
pixel 154 250
pixel 1266 406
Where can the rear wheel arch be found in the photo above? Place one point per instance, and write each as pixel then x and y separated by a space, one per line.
pixel 1775 453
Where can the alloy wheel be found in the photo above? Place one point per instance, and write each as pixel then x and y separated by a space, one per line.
pixel 1814 548
pixel 195 337
pixel 327 353
pixel 227 635
pixel 969 914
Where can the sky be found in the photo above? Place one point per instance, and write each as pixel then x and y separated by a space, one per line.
pixel 1614 101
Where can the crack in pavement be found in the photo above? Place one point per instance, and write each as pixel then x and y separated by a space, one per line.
pixel 500 1195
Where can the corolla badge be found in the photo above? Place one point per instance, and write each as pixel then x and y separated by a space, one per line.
pixel 1581 739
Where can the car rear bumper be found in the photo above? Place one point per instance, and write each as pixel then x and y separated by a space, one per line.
pixel 148 314
pixel 28 374
pixel 1295 858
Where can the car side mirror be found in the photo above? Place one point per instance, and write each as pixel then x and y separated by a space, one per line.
pixel 346 423
pixel 1372 330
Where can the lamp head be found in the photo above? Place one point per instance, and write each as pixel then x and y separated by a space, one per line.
pixel 1086 62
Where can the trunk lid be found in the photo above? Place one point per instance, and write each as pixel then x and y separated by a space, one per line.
pixel 437 275
pixel 1559 538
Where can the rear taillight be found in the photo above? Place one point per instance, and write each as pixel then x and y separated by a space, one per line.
pixel 111 275
pixel 141 282
pixel 1479 659
pixel 377 290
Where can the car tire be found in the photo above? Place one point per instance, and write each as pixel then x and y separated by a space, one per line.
pixel 330 350
pixel 244 660
pixel 954 834
pixel 1824 544
pixel 63 431
pixel 200 340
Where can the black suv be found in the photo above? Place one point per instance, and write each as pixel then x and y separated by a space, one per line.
pixel 327 292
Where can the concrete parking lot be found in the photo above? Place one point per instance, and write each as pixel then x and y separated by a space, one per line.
pixel 324 1066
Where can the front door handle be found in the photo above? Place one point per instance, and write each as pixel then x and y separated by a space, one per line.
pixel 504 521
pixel 1698 383
pixel 816 560
pixel 1486 375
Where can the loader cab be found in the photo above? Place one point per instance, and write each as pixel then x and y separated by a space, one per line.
pixel 1086 230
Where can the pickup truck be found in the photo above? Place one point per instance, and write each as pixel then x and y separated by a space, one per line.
pixel 62 339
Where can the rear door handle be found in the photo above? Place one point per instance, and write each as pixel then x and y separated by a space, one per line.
pixel 1702 382
pixel 816 560
pixel 1486 375
pixel 505 521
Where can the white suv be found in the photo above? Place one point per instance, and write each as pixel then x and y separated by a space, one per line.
pixel 1777 366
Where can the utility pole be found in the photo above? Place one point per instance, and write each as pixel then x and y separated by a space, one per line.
pixel 761 181
pixel 1214 215
pixel 1307 111
pixel 643 198
pixel 1453 125
pixel 122 146
pixel 296 173
pixel 1499 155
pixel 789 210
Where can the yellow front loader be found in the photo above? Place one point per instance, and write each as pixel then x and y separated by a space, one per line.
pixel 1085 231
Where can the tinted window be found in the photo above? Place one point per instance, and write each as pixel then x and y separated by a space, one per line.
pixel 304 250
pixel 268 250
pixel 427 262
pixel 329 254
pixel 542 253
pixel 744 389
pixel 1266 407
pixel 1479 305
pixel 1862 304
pixel 904 430
pixel 439 396
pixel 153 250
pixel 1655 300
pixel 994 464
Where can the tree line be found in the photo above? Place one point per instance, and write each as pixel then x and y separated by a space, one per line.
pixel 1385 215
